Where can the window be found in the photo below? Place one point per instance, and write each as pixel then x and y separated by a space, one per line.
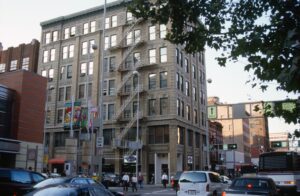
pixel 137 36
pixel 181 83
pixel 69 71
pixel 114 21
pixel 177 55
pixel 152 56
pixel 81 91
pixel 194 71
pixel 107 23
pixel 163 79
pixel 177 81
pixel 84 48
pixel 195 117
pixel 159 134
pixel 178 107
pixel 48 38
pixel 61 94
pixel 111 111
pixel 129 16
pixel 55 36
pixel 45 56
pixel 25 63
pixel 91 68
pixel 187 88
pixel 91 43
pixel 188 112
pixel 105 88
pixel 181 58
pixel 152 33
pixel 194 94
pixel 163 55
pixel 68 93
pixel 197 140
pixel 65 52
pixel 51 75
pixel 108 135
pixel 163 31
pixel 151 105
pixel 52 54
pixel 82 69
pixel 85 28
pixel 182 108
pixel 13 65
pixel 2 67
pixel 71 51
pixel 111 86
pixel 93 26
pixel 164 109
pixel 105 68
pixel 44 73
pixel 180 135
pixel 129 38
pixel 73 31
pixel 113 40
pixel 106 42
pixel 90 88
pixel 152 81
pixel 62 73
pixel 60 113
pixel 112 63
pixel 67 33
pixel 136 58
pixel 186 65
pixel 190 137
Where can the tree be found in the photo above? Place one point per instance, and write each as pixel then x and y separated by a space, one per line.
pixel 266 33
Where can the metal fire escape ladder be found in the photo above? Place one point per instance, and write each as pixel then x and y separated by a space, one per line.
pixel 124 80
pixel 125 104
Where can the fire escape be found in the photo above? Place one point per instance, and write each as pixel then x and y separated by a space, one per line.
pixel 130 41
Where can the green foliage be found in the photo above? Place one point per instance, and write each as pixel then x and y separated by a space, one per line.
pixel 265 32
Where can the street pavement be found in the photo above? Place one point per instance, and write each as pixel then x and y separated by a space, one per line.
pixel 148 190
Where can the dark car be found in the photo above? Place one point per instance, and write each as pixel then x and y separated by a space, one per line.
pixel 71 189
pixel 176 179
pixel 72 180
pixel 18 181
pixel 110 179
pixel 252 186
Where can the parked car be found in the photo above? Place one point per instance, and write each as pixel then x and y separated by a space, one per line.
pixel 72 180
pixel 71 189
pixel 18 181
pixel 225 179
pixel 176 179
pixel 200 183
pixel 110 179
pixel 252 186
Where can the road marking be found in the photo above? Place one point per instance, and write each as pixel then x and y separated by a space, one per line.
pixel 166 192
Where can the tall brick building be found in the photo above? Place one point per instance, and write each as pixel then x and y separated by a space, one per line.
pixel 170 84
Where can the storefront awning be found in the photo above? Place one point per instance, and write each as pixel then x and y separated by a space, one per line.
pixel 56 161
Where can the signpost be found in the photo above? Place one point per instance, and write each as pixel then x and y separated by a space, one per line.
pixel 100 142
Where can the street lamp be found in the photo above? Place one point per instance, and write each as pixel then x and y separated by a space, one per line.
pixel 50 88
pixel 207 131
pixel 137 122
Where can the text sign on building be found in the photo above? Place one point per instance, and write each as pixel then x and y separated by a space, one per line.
pixel 190 159
pixel 100 142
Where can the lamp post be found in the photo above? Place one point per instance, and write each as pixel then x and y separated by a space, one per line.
pixel 50 88
pixel 137 122
pixel 207 131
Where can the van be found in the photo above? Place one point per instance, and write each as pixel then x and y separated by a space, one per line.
pixel 18 181
pixel 200 183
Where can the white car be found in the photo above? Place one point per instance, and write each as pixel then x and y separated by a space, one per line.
pixel 225 179
pixel 200 183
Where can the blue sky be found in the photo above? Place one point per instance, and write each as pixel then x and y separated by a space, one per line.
pixel 20 23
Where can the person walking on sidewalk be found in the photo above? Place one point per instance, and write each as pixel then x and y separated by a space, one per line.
pixel 164 179
pixel 133 183
pixel 125 180
pixel 140 180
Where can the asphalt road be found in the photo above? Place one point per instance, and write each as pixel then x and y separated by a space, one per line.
pixel 148 190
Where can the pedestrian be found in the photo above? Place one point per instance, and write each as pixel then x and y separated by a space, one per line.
pixel 140 180
pixel 133 183
pixel 125 180
pixel 164 179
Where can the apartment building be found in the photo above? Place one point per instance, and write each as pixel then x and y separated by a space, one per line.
pixel 150 86
pixel 243 124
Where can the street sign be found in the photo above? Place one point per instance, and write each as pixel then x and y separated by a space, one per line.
pixel 99 142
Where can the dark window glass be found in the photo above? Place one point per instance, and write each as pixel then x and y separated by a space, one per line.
pixel 192 177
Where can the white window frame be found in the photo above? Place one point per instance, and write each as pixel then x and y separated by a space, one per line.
pixel 47 38
pixel 129 16
pixel 106 42
pixel 45 56
pixel 93 26
pixel 86 28
pixel 71 51
pixel 73 31
pixel 152 56
pixel 91 43
pixel 2 67
pixel 91 68
pixel 52 54
pixel 106 23
pixel 84 48
pixel 152 30
pixel 129 38
pixel 54 36
pixel 25 63
pixel 163 31
pixel 137 36
pixel 65 52
pixel 113 40
pixel 114 21
pixel 163 54
pixel 67 33
pixel 83 67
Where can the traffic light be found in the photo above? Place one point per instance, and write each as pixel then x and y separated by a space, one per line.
pixel 232 146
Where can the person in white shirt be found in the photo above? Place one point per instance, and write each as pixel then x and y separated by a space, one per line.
pixel 133 182
pixel 125 180
pixel 164 179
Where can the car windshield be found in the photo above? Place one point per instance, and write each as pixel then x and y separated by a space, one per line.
pixel 50 181
pixel 192 177
pixel 250 183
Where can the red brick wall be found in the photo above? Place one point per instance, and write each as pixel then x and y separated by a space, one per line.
pixel 29 104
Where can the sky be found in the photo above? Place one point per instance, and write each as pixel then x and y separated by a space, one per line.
pixel 20 23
